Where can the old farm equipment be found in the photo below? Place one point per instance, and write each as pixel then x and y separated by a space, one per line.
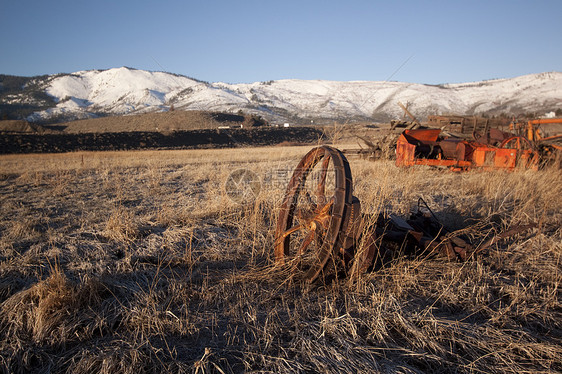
pixel 321 230
pixel 546 136
pixel 466 125
pixel 429 147
pixel 540 130
pixel 375 149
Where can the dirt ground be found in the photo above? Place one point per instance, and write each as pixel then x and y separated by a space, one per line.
pixel 140 261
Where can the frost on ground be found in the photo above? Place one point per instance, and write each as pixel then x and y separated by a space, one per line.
pixel 139 262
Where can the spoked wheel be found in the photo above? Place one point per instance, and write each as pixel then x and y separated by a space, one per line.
pixel 315 209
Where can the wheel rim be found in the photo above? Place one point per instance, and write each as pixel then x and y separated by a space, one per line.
pixel 516 142
pixel 306 234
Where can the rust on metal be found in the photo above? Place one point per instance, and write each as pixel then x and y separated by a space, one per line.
pixel 468 125
pixel 321 230
pixel 315 218
pixel 513 230
pixel 428 147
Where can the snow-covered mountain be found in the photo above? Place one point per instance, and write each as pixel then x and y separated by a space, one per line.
pixel 124 91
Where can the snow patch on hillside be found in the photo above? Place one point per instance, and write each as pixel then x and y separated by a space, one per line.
pixel 127 91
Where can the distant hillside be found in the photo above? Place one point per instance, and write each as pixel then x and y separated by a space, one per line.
pixel 20 127
pixel 125 91
pixel 176 120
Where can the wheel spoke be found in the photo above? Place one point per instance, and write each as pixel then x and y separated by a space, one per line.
pixel 321 187
pixel 308 211
pixel 324 213
pixel 305 243
pixel 293 229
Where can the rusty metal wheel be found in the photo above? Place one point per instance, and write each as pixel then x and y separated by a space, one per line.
pixel 318 200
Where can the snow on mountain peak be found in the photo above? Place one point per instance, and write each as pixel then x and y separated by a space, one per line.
pixel 125 91
pixel 107 88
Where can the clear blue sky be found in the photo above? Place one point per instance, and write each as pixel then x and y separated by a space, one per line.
pixel 247 41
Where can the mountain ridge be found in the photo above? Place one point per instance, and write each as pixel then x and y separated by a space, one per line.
pixel 122 91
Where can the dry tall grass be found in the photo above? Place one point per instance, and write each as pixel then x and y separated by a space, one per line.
pixel 139 262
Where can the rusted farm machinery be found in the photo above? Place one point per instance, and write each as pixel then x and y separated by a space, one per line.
pixel 546 135
pixel 470 142
pixel 526 146
pixel 428 147
pixel 321 230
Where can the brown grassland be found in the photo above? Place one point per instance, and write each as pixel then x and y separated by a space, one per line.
pixel 130 262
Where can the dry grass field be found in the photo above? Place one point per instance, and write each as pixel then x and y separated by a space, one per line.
pixel 131 262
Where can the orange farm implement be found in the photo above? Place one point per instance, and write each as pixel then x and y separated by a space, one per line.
pixel 428 147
